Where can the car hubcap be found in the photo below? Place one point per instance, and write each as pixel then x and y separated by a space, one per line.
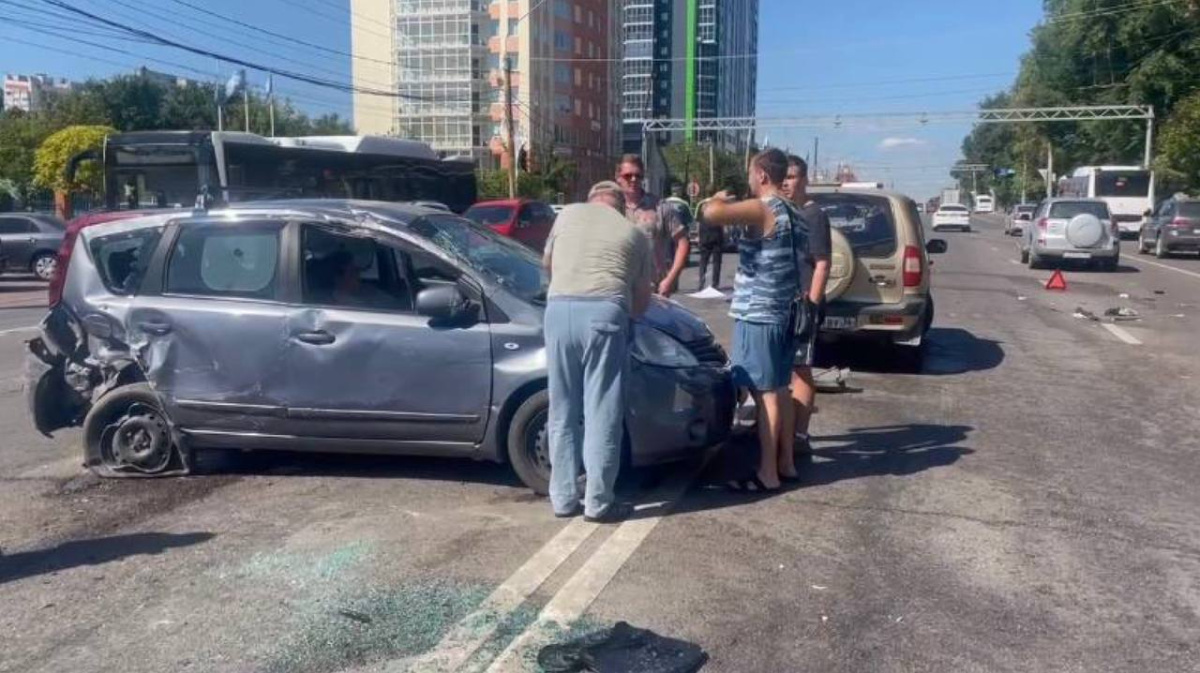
pixel 139 440
pixel 44 267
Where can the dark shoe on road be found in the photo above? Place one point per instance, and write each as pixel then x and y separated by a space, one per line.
pixel 616 513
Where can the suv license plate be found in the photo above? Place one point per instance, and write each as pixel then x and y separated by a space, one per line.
pixel 834 322
pixel 1077 255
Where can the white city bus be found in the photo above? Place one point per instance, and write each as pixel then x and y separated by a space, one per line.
pixel 984 204
pixel 1128 191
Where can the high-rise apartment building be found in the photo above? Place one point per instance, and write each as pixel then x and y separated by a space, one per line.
pixel 28 92
pixel 446 61
pixel 688 59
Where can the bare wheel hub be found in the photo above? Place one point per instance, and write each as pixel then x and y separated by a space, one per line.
pixel 139 440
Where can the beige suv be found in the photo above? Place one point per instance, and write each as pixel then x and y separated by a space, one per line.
pixel 879 278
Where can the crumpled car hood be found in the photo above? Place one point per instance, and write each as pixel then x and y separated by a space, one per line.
pixel 670 317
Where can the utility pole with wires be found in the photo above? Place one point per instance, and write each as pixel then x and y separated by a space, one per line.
pixel 271 101
pixel 509 132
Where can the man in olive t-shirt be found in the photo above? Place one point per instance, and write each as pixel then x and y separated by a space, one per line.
pixel 600 276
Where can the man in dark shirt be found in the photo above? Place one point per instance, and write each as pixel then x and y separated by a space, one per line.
pixel 814 272
pixel 711 239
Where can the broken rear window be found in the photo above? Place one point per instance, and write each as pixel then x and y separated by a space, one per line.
pixel 122 258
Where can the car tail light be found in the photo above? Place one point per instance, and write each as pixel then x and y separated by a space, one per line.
pixel 60 269
pixel 1043 223
pixel 912 266
pixel 1181 222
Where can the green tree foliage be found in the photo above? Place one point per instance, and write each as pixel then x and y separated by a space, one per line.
pixel 20 136
pixel 1179 146
pixel 1093 52
pixel 552 177
pixel 689 161
pixel 50 161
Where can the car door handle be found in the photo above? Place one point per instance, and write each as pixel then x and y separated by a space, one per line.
pixel 155 328
pixel 316 338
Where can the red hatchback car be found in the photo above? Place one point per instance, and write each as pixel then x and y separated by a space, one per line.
pixel 523 220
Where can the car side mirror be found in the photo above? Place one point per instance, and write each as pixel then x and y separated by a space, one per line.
pixel 443 303
pixel 936 246
pixel 1148 213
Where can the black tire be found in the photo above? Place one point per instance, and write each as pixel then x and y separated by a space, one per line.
pixel 1110 265
pixel 1035 262
pixel 1024 255
pixel 528 444
pixel 1160 249
pixel 1143 249
pixel 127 434
pixel 43 265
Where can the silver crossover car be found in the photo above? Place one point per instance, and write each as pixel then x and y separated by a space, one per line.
pixel 1066 229
pixel 334 326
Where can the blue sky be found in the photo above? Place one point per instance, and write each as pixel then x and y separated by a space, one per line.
pixel 849 56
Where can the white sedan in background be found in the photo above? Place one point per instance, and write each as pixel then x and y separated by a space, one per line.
pixel 952 216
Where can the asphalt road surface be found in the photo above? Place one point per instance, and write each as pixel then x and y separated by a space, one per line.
pixel 1026 502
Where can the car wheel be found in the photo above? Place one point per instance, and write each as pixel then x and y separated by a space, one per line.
pixel 1024 254
pixel 529 442
pixel 1034 261
pixel 43 265
pixel 1143 249
pixel 127 434
pixel 1160 249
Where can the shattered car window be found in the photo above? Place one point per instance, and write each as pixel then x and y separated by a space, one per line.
pixel 236 262
pixel 496 258
pixel 122 259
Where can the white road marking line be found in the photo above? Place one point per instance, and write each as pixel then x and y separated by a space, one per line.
pixel 586 584
pixel 1168 267
pixel 466 637
pixel 14 330
pixel 1121 334
pixel 994 248
pixel 1013 261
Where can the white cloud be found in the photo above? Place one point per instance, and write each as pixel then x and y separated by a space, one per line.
pixel 894 143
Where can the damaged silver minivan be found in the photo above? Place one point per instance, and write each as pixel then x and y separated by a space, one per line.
pixel 334 326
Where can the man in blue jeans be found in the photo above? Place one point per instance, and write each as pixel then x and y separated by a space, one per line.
pixel 601 269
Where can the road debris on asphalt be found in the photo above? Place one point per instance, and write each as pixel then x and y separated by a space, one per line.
pixel 1124 295
pixel 1122 313
pixel 1021 297
pixel 623 649
pixel 832 380
pixel 1083 314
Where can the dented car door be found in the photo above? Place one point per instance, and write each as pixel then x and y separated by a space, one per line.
pixel 211 342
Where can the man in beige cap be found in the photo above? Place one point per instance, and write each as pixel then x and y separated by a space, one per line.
pixel 601 269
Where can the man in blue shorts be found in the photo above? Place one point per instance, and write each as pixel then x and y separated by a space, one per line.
pixel 764 294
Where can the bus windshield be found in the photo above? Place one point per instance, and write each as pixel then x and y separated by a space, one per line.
pixel 1123 183
pixel 155 176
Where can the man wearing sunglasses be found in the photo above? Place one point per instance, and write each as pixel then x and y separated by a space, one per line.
pixel 658 221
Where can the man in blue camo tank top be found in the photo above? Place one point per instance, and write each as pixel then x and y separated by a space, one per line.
pixel 764 296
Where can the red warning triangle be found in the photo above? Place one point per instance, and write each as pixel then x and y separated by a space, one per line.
pixel 1057 281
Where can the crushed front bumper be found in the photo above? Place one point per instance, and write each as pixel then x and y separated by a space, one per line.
pixel 675 414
